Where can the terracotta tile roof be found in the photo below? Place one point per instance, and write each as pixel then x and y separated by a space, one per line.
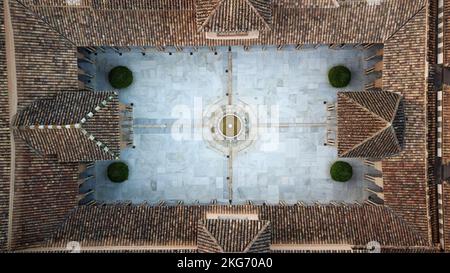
pixel 432 136
pixel 166 22
pixel 46 63
pixel 446 34
pixel 130 225
pixel 370 124
pixel 46 189
pixel 233 15
pixel 233 236
pixel 406 176
pixel 122 225
pixel 105 126
pixel 203 9
pixel 446 214
pixel 135 250
pixel 446 124
pixel 5 145
pixel 400 250
pixel 45 192
pixel 74 126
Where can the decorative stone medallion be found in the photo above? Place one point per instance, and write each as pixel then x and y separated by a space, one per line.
pixel 229 128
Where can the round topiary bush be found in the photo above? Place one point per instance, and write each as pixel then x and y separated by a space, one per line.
pixel 120 77
pixel 118 172
pixel 341 171
pixel 339 76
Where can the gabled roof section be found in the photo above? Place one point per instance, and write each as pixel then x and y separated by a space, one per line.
pixel 445 148
pixel 405 176
pixel 369 124
pixel 45 192
pixel 233 236
pixel 5 137
pixel 46 62
pixel 177 23
pixel 72 126
pixel 234 15
pixel 382 104
pixel 446 32
pixel 177 227
pixel 445 197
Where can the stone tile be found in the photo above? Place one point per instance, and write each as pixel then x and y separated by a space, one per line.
pixel 289 164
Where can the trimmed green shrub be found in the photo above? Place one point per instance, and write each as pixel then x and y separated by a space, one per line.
pixel 118 172
pixel 341 171
pixel 120 77
pixel 339 76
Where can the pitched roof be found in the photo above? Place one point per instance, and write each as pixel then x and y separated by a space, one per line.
pixel 432 122
pixel 74 126
pixel 445 147
pixel 171 22
pixel 176 227
pixel 405 176
pixel 445 207
pixel 444 194
pixel 46 65
pixel 44 189
pixel 5 138
pixel 45 192
pixel 370 124
pixel 233 236
pixel 46 62
pixel 233 15
pixel 446 32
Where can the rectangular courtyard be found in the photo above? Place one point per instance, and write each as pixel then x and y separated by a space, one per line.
pixel 287 161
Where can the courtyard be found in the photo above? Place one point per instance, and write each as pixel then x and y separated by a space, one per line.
pixel 288 90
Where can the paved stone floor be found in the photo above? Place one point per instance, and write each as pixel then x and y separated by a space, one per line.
pixel 289 163
pixel 296 170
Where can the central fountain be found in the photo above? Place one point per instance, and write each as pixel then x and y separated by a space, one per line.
pixel 229 128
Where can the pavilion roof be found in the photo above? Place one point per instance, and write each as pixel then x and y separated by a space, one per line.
pixel 233 15
pixel 74 126
pixel 370 124
pixel 233 236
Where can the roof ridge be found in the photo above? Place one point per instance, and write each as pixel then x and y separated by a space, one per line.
pixel 263 229
pixel 96 101
pixel 211 13
pixel 68 125
pixel 221 2
pixel 41 18
pixel 388 124
pixel 257 13
pixel 203 223
pixel 98 107
pixel 367 109
pixel 102 145
pixel 367 139
pixel 397 105
pixel 404 23
pixel 407 225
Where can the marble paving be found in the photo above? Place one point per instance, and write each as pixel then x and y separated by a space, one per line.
pixel 285 164
pixel 293 167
